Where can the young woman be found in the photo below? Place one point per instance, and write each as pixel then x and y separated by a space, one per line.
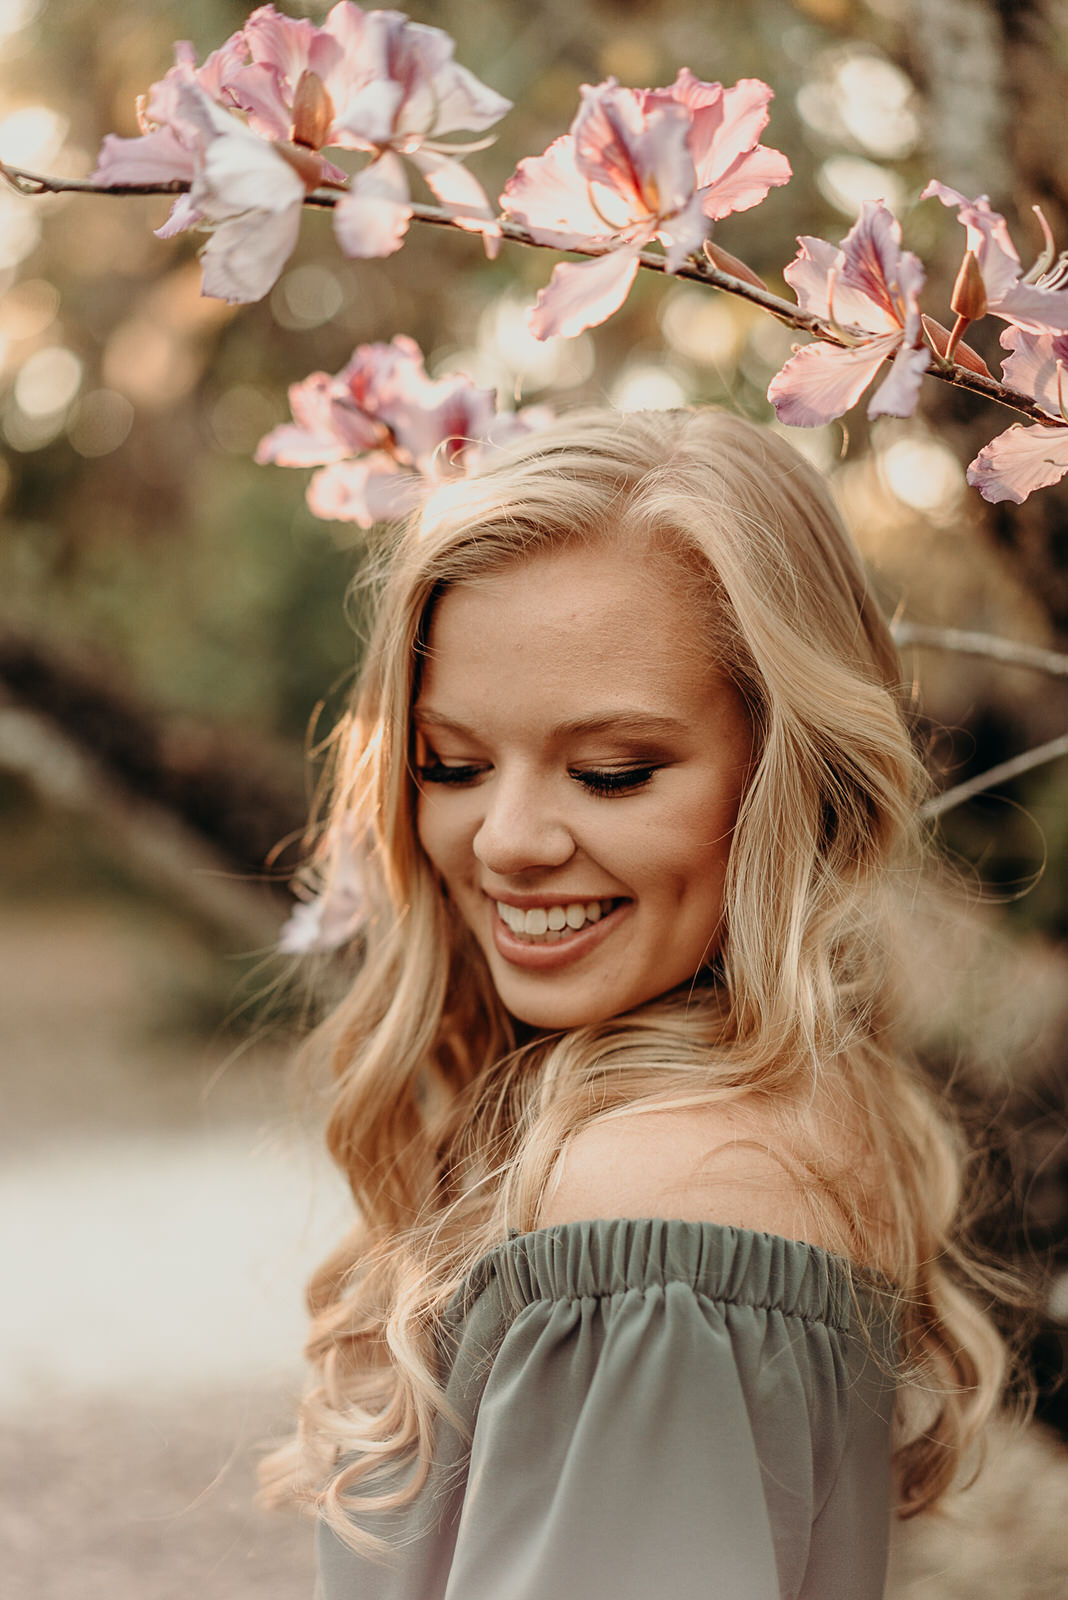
pixel 654 1219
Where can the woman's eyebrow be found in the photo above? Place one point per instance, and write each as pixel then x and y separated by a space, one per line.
pixel 641 724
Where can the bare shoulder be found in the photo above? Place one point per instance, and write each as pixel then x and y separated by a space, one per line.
pixel 697 1164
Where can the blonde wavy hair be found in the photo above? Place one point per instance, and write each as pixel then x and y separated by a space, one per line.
pixel 447 1119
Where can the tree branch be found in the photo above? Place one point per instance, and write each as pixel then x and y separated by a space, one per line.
pixel 999 774
pixel 693 270
pixel 1007 651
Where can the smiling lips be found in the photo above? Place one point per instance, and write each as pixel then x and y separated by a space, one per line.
pixel 552 923
pixel 543 938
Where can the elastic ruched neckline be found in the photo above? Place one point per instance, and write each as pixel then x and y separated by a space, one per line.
pixel 581 1260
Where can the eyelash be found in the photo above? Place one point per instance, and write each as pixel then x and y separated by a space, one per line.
pixel 624 781
pixel 438 772
pixel 602 783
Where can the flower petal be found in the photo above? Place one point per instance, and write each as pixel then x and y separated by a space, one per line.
pixel 156 157
pixel 412 87
pixel 328 425
pixel 550 197
pixel 746 183
pixel 896 396
pixel 372 218
pixel 259 91
pixel 462 193
pixel 1031 366
pixel 246 253
pixel 822 381
pixel 1019 460
pixel 183 215
pixel 463 101
pixel 288 44
pixel 727 123
pixel 684 233
pixel 581 294
pixel 1034 308
pixel 988 237
pixel 639 150
pixel 874 264
pixel 808 275
pixel 372 490
pixel 734 171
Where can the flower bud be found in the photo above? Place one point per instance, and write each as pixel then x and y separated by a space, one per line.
pixel 963 354
pixel 307 164
pixel 313 111
pixel 968 299
pixel 731 264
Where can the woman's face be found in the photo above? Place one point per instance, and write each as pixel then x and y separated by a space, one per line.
pixel 580 766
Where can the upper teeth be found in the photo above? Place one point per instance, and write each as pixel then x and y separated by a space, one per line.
pixel 552 919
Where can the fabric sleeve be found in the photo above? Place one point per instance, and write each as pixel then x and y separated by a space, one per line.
pixel 649 1443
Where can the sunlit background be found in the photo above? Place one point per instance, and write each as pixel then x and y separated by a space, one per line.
pixel 174 635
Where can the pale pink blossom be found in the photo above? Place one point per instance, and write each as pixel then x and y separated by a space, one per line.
pixel 734 171
pixel 412 94
pixel 1032 301
pixel 1026 458
pixel 390 87
pixel 250 191
pixel 868 288
pixel 334 904
pixel 381 430
pixel 283 89
pixel 165 151
pixel 638 166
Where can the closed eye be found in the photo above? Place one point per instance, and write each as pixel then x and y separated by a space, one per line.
pixel 611 781
pixel 441 772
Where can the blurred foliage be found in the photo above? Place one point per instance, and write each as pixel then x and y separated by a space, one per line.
pixel 135 526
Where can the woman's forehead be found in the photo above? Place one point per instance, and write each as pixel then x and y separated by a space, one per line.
pixel 565 632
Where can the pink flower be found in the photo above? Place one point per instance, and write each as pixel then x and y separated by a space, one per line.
pixel 335 900
pixel 381 429
pixel 868 288
pixel 166 148
pixel 389 87
pixel 734 171
pixel 366 81
pixel 1030 300
pixel 639 165
pixel 1026 458
pixel 251 190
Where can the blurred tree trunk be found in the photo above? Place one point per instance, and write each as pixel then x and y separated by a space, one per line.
pixel 208 813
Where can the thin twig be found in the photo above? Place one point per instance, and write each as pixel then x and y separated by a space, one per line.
pixel 1007 651
pixel 999 774
pixel 693 270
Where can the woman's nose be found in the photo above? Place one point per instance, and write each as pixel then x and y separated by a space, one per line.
pixel 521 829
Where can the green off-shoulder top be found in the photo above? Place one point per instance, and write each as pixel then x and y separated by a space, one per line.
pixel 651 1410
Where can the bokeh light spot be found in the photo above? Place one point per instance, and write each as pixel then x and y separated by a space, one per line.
pixel 100 423
pixel 922 473
pixel 847 181
pixel 306 297
pixel 703 327
pixel 32 136
pixel 16 15
pixel 28 309
pixel 20 229
pixel 507 346
pixel 149 363
pixel 859 94
pixel 25 433
pixel 641 386
pixel 241 416
pixel 48 381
